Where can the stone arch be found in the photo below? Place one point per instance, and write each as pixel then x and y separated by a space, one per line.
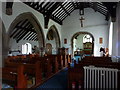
pixel 78 33
pixel 57 37
pixel 33 20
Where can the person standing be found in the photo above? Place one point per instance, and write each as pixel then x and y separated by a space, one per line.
pixel 102 52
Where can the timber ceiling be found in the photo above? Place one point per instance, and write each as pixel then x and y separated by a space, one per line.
pixel 24 30
pixel 57 11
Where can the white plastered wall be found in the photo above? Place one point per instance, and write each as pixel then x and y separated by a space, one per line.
pixel 19 8
pixel 94 23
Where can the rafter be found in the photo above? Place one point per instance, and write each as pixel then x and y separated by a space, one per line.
pixel 58 11
pixel 33 36
pixel 22 31
pixel 22 36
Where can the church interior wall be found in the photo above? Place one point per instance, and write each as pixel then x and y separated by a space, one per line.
pixel 19 8
pixel 94 23
pixel 14 46
pixel 79 42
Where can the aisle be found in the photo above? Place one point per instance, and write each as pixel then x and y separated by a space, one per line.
pixel 59 81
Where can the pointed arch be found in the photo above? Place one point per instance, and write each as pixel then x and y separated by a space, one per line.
pixel 33 20
pixel 56 35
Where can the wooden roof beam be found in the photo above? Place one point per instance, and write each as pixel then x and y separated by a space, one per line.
pixel 28 29
pixel 65 10
pixel 43 10
pixel 31 36
pixel 14 30
pixel 22 36
pixel 26 35
pixel 22 31
pixel 56 19
pixel 67 15
pixel 47 14
pixel 21 23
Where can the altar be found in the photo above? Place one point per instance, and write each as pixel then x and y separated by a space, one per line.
pixel 87 50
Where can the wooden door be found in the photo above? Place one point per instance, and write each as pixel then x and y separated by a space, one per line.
pixel 48 48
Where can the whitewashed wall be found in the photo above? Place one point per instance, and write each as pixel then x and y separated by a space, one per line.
pixel 79 42
pixel 94 23
pixel 18 46
pixel 19 8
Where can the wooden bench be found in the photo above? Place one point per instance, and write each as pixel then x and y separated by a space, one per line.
pixel 15 75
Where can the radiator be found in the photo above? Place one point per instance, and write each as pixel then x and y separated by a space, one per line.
pixel 100 78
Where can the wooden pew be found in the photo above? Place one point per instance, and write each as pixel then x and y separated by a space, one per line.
pixel 30 69
pixel 15 74
pixel 53 62
pixel 36 66
pixel 60 61
pixel 68 58
pixel 75 79
pixel 64 60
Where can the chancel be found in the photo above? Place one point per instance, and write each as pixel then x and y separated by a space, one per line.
pixel 67 45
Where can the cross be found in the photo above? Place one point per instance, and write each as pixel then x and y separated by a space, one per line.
pixel 81 20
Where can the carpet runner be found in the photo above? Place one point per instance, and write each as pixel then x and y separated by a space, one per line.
pixel 59 81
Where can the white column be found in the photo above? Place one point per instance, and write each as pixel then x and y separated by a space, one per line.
pixel 116 33
pixel 118 29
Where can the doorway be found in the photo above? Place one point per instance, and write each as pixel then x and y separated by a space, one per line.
pixel 82 44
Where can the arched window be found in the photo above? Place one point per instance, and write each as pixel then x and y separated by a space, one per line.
pixel 87 38
pixel 27 48
pixel 110 38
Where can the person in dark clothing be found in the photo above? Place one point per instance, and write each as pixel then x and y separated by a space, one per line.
pixel 102 52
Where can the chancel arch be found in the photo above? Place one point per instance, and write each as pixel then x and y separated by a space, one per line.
pixel 82 43
pixel 25 29
pixel 53 38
